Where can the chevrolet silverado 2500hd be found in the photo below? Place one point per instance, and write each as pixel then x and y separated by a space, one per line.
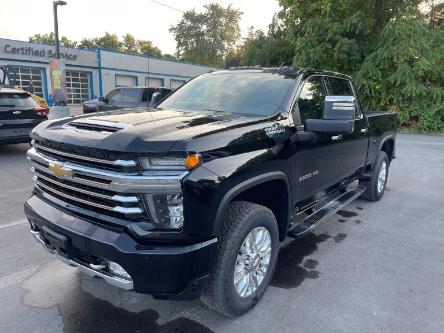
pixel 193 197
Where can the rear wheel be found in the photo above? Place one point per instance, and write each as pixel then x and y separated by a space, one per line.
pixel 375 186
pixel 245 259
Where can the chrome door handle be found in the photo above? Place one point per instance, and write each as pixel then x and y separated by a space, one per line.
pixel 364 130
pixel 336 137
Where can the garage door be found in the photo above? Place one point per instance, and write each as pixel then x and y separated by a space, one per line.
pixel 125 80
pixel 77 87
pixel 174 84
pixel 154 82
pixel 24 75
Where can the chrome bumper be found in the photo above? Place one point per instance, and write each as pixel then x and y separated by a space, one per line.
pixel 112 280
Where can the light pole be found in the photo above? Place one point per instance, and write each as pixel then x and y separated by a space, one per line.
pixel 56 27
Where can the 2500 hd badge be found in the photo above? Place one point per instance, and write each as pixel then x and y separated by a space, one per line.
pixel 192 198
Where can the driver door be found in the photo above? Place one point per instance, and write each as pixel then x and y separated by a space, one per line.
pixel 317 163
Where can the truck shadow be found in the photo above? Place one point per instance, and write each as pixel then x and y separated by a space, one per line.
pixel 90 305
pixel 13 150
pixel 291 269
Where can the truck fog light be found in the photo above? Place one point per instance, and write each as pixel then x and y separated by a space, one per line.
pixel 117 270
pixel 166 210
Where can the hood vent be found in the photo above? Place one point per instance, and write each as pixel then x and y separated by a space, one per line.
pixel 92 125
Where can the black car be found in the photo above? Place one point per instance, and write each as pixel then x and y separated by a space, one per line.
pixel 19 114
pixel 194 198
pixel 120 98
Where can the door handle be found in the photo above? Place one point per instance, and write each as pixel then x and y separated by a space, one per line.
pixel 364 130
pixel 336 137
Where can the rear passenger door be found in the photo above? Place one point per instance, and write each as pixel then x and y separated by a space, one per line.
pixel 355 145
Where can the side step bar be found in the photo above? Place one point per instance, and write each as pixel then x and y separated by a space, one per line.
pixel 320 215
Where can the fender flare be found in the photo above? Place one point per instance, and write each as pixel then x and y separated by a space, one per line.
pixel 245 185
pixel 384 140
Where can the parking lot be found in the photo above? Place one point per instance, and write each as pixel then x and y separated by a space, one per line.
pixel 374 267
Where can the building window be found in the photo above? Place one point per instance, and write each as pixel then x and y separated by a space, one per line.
pixel 126 80
pixel 154 82
pixel 174 84
pixel 77 87
pixel 23 77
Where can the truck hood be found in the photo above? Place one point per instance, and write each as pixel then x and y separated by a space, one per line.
pixel 142 131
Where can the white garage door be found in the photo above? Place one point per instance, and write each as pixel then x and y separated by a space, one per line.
pixel 154 82
pixel 24 75
pixel 125 80
pixel 174 84
pixel 77 86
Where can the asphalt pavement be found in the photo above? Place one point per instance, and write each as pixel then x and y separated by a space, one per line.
pixel 375 267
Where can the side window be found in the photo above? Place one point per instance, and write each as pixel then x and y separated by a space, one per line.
pixel 312 98
pixel 115 96
pixel 339 87
pixel 130 96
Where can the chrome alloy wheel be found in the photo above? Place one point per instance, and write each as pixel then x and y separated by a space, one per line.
pixel 252 262
pixel 381 176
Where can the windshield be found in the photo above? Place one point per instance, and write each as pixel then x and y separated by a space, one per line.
pixel 251 94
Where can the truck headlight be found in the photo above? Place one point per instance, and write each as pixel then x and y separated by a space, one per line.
pixel 166 210
pixel 171 163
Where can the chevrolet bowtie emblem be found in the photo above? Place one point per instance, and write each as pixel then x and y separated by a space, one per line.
pixel 58 170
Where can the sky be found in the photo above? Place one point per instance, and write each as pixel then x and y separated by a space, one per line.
pixel 145 19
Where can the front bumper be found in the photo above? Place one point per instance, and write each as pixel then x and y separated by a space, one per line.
pixel 164 271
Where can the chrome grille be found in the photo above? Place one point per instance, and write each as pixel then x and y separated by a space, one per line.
pixel 109 192
pixel 65 155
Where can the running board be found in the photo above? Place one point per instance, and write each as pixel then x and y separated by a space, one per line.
pixel 320 215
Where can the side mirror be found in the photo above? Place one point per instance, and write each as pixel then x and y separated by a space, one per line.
pixel 103 99
pixel 339 107
pixel 157 96
pixel 339 115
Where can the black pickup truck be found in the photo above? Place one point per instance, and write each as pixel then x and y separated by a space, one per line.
pixel 194 197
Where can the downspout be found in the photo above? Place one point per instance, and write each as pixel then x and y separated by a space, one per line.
pixel 99 69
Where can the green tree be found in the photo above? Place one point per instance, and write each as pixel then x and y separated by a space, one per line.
pixel 146 47
pixel 88 43
pixel 129 44
pixel 339 34
pixel 207 37
pixel 405 74
pixel 109 42
pixel 48 39
pixel 271 49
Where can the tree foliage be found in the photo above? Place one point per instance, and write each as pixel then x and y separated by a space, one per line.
pixel 128 43
pixel 394 50
pixel 49 39
pixel 405 74
pixel 207 37
pixel 273 48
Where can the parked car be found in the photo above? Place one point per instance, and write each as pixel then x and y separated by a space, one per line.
pixel 19 114
pixel 194 199
pixel 120 98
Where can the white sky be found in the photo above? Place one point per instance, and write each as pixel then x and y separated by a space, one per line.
pixel 142 18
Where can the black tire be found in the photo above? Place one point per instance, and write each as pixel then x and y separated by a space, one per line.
pixel 371 192
pixel 239 219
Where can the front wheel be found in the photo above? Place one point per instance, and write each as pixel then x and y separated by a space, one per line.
pixel 375 186
pixel 245 259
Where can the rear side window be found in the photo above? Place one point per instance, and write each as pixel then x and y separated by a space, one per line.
pixel 131 96
pixel 17 100
pixel 312 98
pixel 339 87
pixel 342 87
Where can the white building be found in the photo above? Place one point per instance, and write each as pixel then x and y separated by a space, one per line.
pixel 92 73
